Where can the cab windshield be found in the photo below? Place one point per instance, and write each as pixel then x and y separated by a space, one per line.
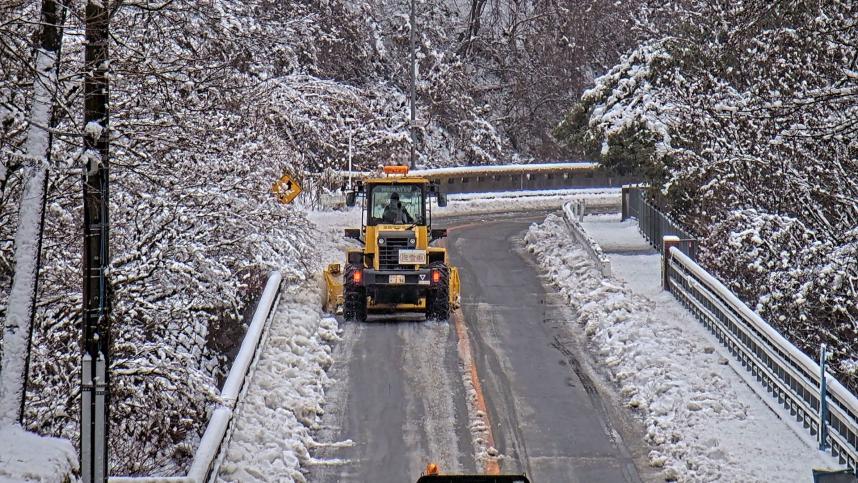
pixel 396 204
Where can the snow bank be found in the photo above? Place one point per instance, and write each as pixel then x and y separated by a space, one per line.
pixel 29 457
pixel 703 422
pixel 283 403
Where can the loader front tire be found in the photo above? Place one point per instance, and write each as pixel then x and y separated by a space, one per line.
pixel 438 298
pixel 354 296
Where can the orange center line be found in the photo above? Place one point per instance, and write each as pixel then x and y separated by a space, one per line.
pixel 492 467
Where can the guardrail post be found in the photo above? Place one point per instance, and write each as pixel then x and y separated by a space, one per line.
pixel 625 200
pixel 823 401
pixel 667 243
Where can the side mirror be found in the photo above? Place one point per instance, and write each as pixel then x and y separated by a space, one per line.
pixel 437 233
pixel 351 197
pixel 353 233
pixel 442 200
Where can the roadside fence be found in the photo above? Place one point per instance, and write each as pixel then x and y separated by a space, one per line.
pixel 573 214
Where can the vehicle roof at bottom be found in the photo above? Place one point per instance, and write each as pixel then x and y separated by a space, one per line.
pixel 473 479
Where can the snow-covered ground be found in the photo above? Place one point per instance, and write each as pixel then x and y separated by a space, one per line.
pixel 702 419
pixel 28 457
pixel 506 201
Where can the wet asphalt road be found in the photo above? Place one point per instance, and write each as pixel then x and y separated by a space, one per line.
pixel 399 402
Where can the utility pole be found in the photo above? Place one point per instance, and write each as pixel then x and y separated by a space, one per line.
pixel 413 81
pixel 95 381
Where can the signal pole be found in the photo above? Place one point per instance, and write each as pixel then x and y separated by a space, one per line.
pixel 413 81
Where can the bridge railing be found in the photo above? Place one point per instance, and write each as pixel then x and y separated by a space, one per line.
pixel 217 433
pixel 827 409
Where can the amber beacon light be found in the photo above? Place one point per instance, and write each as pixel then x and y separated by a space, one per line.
pixel 400 170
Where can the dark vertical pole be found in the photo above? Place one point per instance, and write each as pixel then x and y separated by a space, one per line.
pixel 413 81
pixel 96 254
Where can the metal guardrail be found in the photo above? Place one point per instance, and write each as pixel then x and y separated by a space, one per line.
pixel 212 444
pixel 653 224
pixel 789 375
pixel 518 177
pixel 573 213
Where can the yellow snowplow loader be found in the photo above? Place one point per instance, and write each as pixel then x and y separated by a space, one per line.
pixel 396 270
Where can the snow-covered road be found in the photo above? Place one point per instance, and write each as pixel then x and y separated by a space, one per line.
pixel 403 398
pixel 654 397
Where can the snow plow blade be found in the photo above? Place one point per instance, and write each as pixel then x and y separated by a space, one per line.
pixel 332 292
pixel 473 479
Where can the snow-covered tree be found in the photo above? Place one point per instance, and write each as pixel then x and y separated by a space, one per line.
pixel 743 114
pixel 33 160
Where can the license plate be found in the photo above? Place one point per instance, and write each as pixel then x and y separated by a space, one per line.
pixel 412 257
pixel 396 279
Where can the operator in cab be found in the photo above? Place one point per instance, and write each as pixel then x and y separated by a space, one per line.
pixel 394 213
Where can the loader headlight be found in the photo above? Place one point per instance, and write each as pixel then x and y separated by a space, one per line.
pixel 412 241
pixel 381 241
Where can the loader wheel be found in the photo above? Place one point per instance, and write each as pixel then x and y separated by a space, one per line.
pixel 354 296
pixel 438 298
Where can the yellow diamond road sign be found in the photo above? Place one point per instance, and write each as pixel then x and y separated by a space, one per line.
pixel 286 189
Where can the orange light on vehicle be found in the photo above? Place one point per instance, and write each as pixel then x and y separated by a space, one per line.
pixel 436 276
pixel 403 170
pixel 357 276
pixel 432 470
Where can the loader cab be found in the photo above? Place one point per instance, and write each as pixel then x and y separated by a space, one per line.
pixel 396 204
pixel 396 199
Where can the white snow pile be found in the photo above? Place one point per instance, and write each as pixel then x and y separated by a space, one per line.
pixel 702 421
pixel 283 402
pixel 26 456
